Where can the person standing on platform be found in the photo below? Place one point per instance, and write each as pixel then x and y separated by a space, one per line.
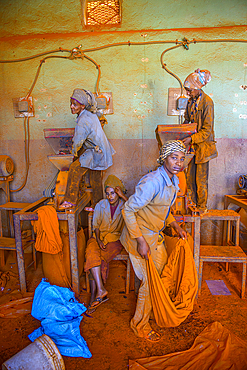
pixel 91 149
pixel 200 109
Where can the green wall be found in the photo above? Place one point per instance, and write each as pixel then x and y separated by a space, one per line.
pixel 132 73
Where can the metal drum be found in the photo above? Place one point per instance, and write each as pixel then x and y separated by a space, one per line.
pixel 242 181
pixel 6 165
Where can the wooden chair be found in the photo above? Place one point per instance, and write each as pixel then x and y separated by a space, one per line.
pixel 230 252
pixel 123 256
pixel 8 243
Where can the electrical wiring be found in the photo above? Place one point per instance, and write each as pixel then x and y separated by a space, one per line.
pixel 78 52
pixel 167 70
pixel 99 73
pixel 185 43
pixel 38 72
pixel 27 147
pixel 35 56
pixel 126 43
pixel 26 118
pixel 69 57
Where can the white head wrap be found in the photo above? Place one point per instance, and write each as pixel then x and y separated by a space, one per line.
pixel 85 97
pixel 197 79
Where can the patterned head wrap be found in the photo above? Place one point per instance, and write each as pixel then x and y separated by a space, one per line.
pixel 197 80
pixel 112 181
pixel 85 97
pixel 170 147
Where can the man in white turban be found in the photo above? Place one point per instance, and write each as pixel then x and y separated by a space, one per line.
pixel 200 109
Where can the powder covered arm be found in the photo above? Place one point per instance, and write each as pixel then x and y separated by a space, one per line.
pixel 207 123
pixel 186 116
pixel 170 219
pixel 82 131
pixel 97 217
pixel 144 193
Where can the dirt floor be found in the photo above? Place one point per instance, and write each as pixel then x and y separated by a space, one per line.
pixel 107 333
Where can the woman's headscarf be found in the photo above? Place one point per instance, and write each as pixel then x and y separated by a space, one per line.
pixel 170 147
pixel 197 79
pixel 113 181
pixel 85 97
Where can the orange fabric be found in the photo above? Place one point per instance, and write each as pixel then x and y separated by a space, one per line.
pixel 140 321
pixel 47 229
pixel 173 293
pixel 81 247
pixel 182 183
pixel 54 270
pixel 98 257
pixel 56 267
pixel 216 348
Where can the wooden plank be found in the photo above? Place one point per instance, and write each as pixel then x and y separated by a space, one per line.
pixel 7 243
pixel 212 251
pixel 224 214
pixel 239 200
pixel 34 205
pixel 13 206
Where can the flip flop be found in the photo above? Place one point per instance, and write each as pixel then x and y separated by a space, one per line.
pixel 153 334
pixel 89 209
pixel 90 309
pixel 98 301
pixel 66 205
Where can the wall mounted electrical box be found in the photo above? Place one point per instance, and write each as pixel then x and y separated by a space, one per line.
pixel 176 102
pixel 101 102
pixel 23 107
pixel 104 102
pixel 182 102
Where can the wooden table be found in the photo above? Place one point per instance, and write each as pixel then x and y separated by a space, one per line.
pixel 239 200
pixel 11 207
pixel 196 234
pixel 8 243
pixel 29 214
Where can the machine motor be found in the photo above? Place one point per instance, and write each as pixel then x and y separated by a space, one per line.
pixel 6 166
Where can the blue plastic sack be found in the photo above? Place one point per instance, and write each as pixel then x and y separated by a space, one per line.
pixel 60 316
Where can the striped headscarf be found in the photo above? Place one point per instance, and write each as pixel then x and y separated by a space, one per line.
pixel 170 147
pixel 194 107
pixel 197 79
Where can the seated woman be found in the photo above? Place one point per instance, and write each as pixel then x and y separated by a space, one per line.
pixel 91 148
pixel 101 249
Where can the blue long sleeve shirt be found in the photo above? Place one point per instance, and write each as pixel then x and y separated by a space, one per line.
pixel 148 210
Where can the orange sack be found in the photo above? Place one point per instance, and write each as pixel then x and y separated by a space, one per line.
pixel 173 293
pixel 216 348
pixel 55 247
pixel 47 231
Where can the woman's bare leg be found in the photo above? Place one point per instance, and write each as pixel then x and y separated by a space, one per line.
pixel 101 291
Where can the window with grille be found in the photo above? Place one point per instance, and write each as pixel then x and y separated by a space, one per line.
pixel 103 12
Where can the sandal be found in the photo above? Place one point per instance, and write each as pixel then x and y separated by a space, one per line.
pixel 98 301
pixel 89 209
pixel 153 336
pixel 90 309
pixel 66 205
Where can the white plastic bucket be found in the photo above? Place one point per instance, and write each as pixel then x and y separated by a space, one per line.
pixel 42 354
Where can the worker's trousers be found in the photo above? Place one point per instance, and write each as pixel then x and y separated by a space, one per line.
pixel 140 321
pixel 74 178
pixel 197 183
